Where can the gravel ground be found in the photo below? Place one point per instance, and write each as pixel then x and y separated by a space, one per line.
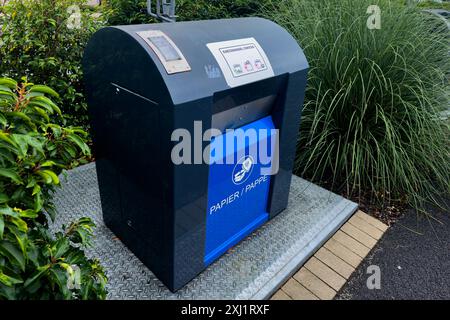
pixel 414 260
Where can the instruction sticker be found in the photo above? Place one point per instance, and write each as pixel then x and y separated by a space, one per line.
pixel 241 61
pixel 166 50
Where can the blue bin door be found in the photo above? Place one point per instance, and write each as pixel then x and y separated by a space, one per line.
pixel 238 192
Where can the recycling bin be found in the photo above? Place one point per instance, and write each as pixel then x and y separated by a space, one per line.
pixel 164 101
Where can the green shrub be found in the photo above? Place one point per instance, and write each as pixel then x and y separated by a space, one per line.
pixel 123 12
pixel 434 5
pixel 38 41
pixel 34 264
pixel 217 9
pixel 135 11
pixel 370 119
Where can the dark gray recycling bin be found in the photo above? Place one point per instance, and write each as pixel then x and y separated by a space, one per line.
pixel 145 81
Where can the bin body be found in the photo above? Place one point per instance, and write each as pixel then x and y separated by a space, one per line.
pixel 143 82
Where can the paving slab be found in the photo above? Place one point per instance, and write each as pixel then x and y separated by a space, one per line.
pixel 313 283
pixel 366 227
pixel 343 252
pixel 296 291
pixel 325 273
pixel 280 295
pixel 334 262
pixel 351 243
pixel 328 270
pixel 359 235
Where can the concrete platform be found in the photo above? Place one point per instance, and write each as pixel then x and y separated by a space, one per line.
pixel 254 269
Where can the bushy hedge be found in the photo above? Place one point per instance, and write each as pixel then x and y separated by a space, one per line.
pixel 135 11
pixel 35 264
pixel 45 40
pixel 434 5
pixel 218 9
pixel 123 12
pixel 371 116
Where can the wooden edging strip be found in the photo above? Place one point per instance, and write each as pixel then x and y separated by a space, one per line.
pixel 325 273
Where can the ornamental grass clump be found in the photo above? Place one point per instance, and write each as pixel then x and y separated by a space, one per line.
pixel 370 121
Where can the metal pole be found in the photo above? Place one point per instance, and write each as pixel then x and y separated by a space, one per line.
pixel 168 10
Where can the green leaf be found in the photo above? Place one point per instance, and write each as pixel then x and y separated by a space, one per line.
pixel 42 113
pixel 18 195
pixel 80 143
pixel 30 95
pixel 70 150
pixel 2 227
pixel 81 231
pixel 80 131
pixel 20 140
pixel 25 140
pixel 56 130
pixel 12 253
pixel 20 224
pixel 6 93
pixel 9 281
pixel 87 287
pixel 45 103
pixel 11 174
pixel 61 246
pixel 36 275
pixel 61 279
pixel 8 293
pixel 49 176
pixel 7 211
pixel 5 88
pixel 3 120
pixel 21 239
pixel 7 138
pixel 44 89
pixel 46 177
pixel 52 22
pixel 36 189
pixel 55 178
pixel 29 213
pixel 47 163
pixel 23 117
pixel 38 202
pixel 4 198
pixel 51 212
pixel 33 253
pixel 35 143
pixel 6 100
pixel 10 83
pixel 8 156
pixel 31 183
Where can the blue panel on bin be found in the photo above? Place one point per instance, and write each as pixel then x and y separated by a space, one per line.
pixel 237 192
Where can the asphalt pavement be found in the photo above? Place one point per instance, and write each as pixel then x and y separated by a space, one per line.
pixel 413 257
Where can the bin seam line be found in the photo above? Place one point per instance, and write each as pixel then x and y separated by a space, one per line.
pixel 134 93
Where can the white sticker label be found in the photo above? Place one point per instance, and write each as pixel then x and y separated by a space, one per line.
pixel 241 61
